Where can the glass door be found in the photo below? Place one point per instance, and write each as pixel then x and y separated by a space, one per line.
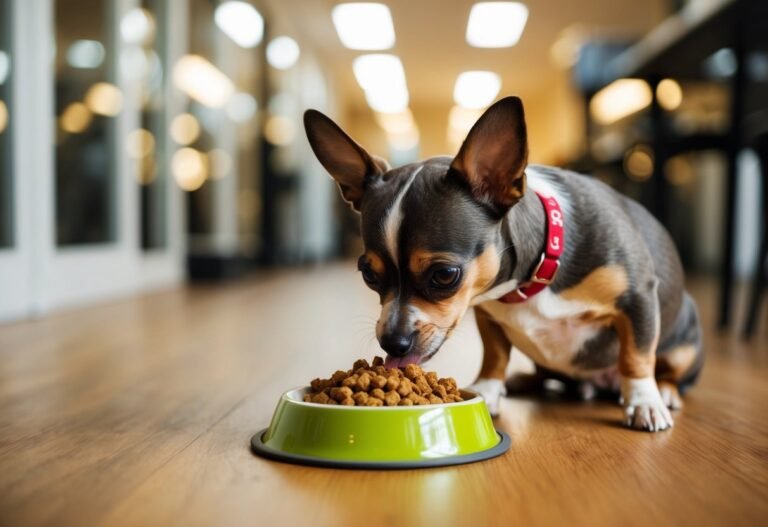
pixel 94 216
pixel 16 298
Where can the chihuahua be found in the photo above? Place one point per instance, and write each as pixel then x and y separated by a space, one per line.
pixel 581 279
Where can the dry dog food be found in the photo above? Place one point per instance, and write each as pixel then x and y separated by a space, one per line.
pixel 374 385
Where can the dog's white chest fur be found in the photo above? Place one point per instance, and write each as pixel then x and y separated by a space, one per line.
pixel 547 328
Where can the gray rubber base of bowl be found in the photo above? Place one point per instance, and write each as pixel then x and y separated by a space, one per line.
pixel 260 449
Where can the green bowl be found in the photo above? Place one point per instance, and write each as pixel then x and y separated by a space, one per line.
pixel 380 437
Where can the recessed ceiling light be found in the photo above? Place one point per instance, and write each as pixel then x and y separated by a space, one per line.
pixel 375 69
pixel 382 77
pixel 496 24
pixel 282 53
pixel 241 22
pixel 388 101
pixel 364 26
pixel 476 89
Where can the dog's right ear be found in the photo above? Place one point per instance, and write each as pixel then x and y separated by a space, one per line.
pixel 493 157
pixel 346 161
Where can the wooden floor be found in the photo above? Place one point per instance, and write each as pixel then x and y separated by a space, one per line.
pixel 139 413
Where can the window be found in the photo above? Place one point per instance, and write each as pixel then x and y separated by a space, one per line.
pixel 86 103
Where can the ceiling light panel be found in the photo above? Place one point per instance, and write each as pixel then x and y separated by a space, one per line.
pixel 364 26
pixel 496 24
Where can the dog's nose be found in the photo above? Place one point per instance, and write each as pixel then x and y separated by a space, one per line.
pixel 395 344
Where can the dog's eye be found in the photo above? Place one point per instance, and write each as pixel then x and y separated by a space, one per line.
pixel 445 277
pixel 369 276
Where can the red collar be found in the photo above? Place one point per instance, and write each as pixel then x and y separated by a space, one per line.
pixel 548 265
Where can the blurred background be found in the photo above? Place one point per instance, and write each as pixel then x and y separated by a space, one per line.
pixel 145 143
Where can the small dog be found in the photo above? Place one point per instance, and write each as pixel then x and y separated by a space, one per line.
pixel 582 280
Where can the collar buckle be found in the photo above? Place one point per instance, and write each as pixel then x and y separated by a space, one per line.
pixel 535 278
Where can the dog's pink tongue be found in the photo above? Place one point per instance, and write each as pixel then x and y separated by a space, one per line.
pixel 400 362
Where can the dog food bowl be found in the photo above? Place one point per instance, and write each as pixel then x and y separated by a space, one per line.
pixel 386 437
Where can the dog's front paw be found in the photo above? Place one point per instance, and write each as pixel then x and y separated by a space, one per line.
pixel 644 409
pixel 491 391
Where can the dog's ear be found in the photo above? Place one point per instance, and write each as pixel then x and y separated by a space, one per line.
pixel 346 161
pixel 494 155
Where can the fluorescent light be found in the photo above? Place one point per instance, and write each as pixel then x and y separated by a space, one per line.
pixel 377 69
pixel 387 101
pixel 241 22
pixel 282 53
pixel 496 24
pixel 382 77
pixel 476 89
pixel 85 54
pixel 202 81
pixel 619 99
pixel 670 94
pixel 364 26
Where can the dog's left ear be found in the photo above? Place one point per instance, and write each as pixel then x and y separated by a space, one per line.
pixel 494 155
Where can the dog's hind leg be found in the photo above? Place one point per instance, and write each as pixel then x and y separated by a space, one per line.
pixel 680 356
pixel 638 326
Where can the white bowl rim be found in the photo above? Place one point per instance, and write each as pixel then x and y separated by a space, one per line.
pixel 295 396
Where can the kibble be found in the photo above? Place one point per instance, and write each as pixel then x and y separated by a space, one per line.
pixel 375 385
